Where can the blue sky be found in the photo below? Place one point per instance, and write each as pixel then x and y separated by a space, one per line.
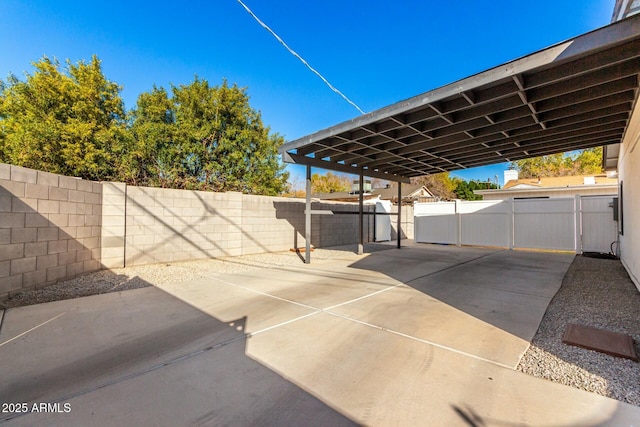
pixel 376 52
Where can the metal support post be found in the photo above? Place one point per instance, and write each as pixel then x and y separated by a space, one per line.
pixel 360 215
pixel 399 213
pixel 307 219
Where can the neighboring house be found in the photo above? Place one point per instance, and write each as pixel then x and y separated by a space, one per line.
pixel 410 193
pixel 560 186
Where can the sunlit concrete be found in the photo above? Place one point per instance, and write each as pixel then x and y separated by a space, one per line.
pixel 425 335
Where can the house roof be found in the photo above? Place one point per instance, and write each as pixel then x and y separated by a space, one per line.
pixel 390 193
pixel 573 95
pixel 560 181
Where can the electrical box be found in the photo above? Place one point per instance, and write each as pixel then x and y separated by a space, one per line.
pixel 615 205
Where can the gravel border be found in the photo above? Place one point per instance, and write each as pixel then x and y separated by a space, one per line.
pixel 598 293
pixel 594 292
pixel 122 279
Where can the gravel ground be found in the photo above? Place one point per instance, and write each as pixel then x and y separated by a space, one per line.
pixel 594 292
pixel 598 293
pixel 122 279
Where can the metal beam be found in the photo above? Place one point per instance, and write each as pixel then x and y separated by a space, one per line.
pixel 310 161
pixel 307 219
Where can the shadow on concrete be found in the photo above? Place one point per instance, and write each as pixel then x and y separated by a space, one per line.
pixel 130 358
pixel 507 289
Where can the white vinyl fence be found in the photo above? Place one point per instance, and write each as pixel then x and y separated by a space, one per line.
pixel 573 224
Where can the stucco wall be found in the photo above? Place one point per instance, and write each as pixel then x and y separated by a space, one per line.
pixel 49 228
pixel 629 175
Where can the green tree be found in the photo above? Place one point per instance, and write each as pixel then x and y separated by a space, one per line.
pixel 69 121
pixel 588 161
pixel 329 183
pixel 465 189
pixel 440 185
pixel 148 158
pixel 204 137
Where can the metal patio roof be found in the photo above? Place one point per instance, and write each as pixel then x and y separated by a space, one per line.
pixel 573 95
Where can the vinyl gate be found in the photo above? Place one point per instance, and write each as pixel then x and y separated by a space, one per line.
pixel 572 224
pixel 599 230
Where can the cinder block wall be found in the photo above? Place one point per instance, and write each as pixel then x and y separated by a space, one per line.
pixel 336 230
pixel 271 224
pixel 277 224
pixel 166 225
pixel 54 227
pixel 406 223
pixel 49 228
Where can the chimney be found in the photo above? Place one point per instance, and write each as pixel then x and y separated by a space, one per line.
pixel 510 175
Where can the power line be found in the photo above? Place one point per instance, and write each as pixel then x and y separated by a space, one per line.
pixel 266 27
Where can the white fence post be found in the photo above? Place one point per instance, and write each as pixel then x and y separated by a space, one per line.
pixel 577 208
pixel 458 224
pixel 511 223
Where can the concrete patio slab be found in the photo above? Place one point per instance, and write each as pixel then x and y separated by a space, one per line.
pixel 332 343
pixel 379 378
pixel 143 358
pixel 411 312
pixel 313 288
pixel 65 347
pixel 509 290
pixel 228 302
pixel 410 263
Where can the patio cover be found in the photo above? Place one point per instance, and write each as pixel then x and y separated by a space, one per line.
pixel 574 95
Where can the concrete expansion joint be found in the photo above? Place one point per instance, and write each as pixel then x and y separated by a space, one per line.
pixel 32 329
pixel 454 266
pixel 411 337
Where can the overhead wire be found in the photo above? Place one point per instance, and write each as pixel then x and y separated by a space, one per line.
pixel 294 53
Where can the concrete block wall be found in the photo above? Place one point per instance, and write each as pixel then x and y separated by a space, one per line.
pixel 54 227
pixel 336 230
pixel 114 208
pixel 49 228
pixel 406 223
pixel 167 225
pixel 277 224
pixel 271 224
